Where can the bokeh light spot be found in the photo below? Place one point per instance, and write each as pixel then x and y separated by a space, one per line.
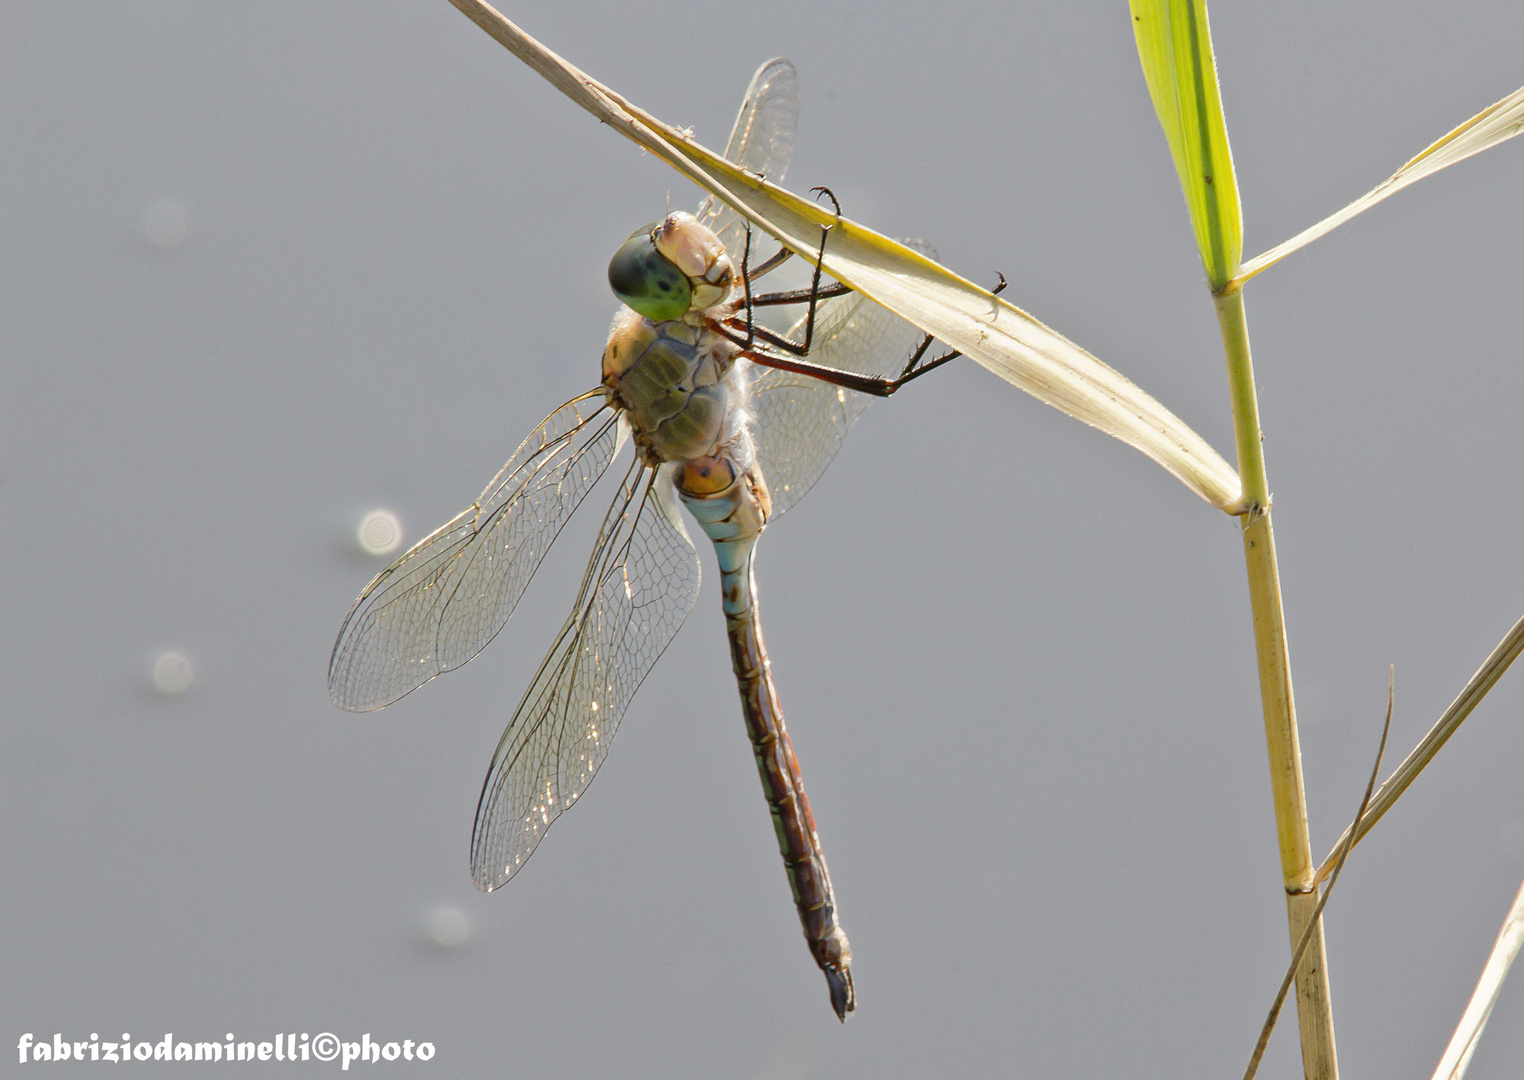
pixel 447 927
pixel 380 533
pixel 172 673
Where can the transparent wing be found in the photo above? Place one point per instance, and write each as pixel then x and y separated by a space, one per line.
pixel 447 596
pixel 761 142
pixel 800 422
pixel 640 584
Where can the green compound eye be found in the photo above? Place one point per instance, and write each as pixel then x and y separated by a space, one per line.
pixel 646 280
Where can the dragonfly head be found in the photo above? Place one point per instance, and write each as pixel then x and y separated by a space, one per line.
pixel 671 267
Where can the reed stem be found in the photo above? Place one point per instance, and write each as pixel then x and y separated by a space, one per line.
pixel 1314 1004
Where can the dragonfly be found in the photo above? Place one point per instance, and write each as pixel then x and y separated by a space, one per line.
pixel 734 421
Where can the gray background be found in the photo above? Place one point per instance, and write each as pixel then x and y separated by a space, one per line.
pixel 1016 655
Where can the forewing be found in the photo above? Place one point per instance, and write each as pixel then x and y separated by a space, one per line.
pixel 640 585
pixel 444 599
pixel 762 142
pixel 800 421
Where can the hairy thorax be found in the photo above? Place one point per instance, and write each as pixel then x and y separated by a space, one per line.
pixel 677 383
pixel 684 394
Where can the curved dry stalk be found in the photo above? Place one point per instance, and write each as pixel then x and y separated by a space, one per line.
pixel 987 329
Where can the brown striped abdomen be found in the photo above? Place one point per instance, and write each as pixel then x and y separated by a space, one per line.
pixel 793 822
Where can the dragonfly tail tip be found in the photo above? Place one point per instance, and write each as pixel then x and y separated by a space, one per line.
pixel 843 999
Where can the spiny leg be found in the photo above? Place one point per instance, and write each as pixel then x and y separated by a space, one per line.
pixel 914 368
pixel 867 384
pixel 800 296
pixel 851 380
pixel 780 257
pixel 792 296
pixel 825 230
pixel 813 295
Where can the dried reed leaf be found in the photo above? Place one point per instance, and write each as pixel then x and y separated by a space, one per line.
pixel 1494 124
pixel 1463 1043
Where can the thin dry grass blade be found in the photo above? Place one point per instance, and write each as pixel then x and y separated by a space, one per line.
pixel 1463 1043
pixel 988 330
pixel 1313 923
pixel 1486 677
pixel 1494 124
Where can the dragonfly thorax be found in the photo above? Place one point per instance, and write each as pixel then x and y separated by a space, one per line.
pixel 676 383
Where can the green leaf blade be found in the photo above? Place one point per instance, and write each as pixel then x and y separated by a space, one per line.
pixel 1175 48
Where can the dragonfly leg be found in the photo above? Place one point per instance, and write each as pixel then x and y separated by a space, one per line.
pixel 778 351
pixel 800 296
pixel 813 295
pixel 914 368
pixel 809 320
pixel 781 256
pixel 789 296
pixel 867 384
pixel 751 323
pixel 753 301
pixel 821 189
pixel 851 380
